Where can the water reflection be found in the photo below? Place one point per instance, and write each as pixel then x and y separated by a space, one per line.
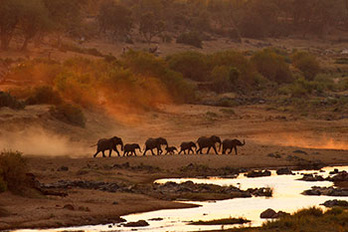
pixel 286 197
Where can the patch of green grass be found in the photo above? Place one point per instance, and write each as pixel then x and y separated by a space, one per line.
pixel 223 221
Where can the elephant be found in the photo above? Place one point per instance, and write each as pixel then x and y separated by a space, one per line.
pixel 187 146
pixel 130 148
pixel 171 150
pixel 152 143
pixel 108 144
pixel 204 142
pixel 231 144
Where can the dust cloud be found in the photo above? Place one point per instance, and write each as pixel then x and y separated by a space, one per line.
pixel 37 141
pixel 305 140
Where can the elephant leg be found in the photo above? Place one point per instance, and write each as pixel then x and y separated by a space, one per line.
pixel 103 154
pixel 235 148
pixel 124 153
pixel 110 151
pixel 215 150
pixel 223 150
pixel 208 150
pixel 96 154
pixel 145 151
pixel 118 153
pixel 152 152
pixel 180 152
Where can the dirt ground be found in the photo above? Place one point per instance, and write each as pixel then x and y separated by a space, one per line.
pixel 47 147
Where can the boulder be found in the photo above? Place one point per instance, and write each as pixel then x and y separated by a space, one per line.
pixel 311 177
pixel 139 223
pixel 256 173
pixel 284 171
pixel 269 213
pixel 332 203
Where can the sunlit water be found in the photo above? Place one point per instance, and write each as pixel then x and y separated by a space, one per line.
pixel 286 197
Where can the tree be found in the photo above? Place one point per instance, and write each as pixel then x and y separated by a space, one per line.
pixel 10 13
pixel 65 15
pixel 33 20
pixel 115 17
pixel 150 26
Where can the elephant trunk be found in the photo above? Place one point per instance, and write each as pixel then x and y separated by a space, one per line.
pixel 220 146
pixel 121 146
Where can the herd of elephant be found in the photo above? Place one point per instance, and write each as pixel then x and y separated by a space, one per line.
pixel 157 143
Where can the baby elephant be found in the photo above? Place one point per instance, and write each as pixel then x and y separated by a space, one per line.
pixel 130 148
pixel 171 150
pixel 187 146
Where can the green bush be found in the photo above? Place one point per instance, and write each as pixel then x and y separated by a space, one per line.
pixel 272 66
pixel 192 65
pixel 13 170
pixel 298 88
pixel 190 38
pixel 306 63
pixel 44 95
pixel 69 114
pixel 7 100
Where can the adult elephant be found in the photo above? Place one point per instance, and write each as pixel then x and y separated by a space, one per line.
pixel 109 144
pixel 187 146
pixel 153 143
pixel 205 142
pixel 231 144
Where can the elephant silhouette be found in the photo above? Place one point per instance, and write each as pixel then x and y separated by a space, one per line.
pixel 231 144
pixel 204 142
pixel 108 144
pixel 187 146
pixel 153 143
pixel 130 148
pixel 171 150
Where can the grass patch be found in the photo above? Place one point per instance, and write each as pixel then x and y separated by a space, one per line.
pixel 310 220
pixel 223 221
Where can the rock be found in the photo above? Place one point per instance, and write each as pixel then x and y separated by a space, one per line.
pixel 269 213
pixel 284 171
pixel 69 207
pixel 300 152
pixel 327 191
pixel 277 156
pixel 311 177
pixel 156 219
pixel 256 173
pixel 340 176
pixel 139 223
pixel 63 169
pixel 332 203
pixel 282 214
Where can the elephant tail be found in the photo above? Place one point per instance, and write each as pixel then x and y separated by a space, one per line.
pixel 94 145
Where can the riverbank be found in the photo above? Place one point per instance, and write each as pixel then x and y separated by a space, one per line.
pixel 95 206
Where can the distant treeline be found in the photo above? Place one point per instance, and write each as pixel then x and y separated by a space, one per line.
pixel 122 20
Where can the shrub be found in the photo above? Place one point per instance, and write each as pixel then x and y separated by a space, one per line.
pixel 3 185
pixel 298 88
pixel 7 100
pixel 14 169
pixel 190 38
pixel 69 114
pixel 221 78
pixel 307 64
pixel 44 95
pixel 272 66
pixel 192 65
